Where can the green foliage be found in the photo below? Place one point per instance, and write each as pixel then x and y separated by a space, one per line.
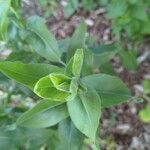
pixel 60 75
pixel 144 114
pixel 87 5
pixel 30 138
pixel 76 42
pixel 146 85
pixel 27 74
pixel 128 59
pixel 77 62
pixel 71 7
pixel 8 14
pixel 48 7
pixel 130 23
pixel 4 9
pixel 44 114
pixel 87 105
pixel 49 48
pixel 103 53
pixel 70 136
pixel 53 87
pixel 70 90
pixel 129 16
pixel 110 89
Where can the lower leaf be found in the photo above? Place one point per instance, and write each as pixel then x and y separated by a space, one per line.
pixel 71 138
pixel 85 110
pixel 111 89
pixel 44 114
pixel 27 74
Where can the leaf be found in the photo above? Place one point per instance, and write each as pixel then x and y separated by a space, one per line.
pixel 117 8
pixel 87 67
pixel 71 7
pixel 146 85
pixel 107 68
pixel 77 62
pixel 27 74
pixel 80 64
pixel 4 8
pixel 111 89
pixel 146 28
pixel 128 59
pixel 102 54
pixel 85 110
pixel 60 81
pixel 88 4
pixel 103 2
pixel 23 56
pixel 70 137
pixel 63 44
pixel 144 114
pixel 15 4
pixel 77 40
pixel 139 12
pixel 51 49
pixel 44 114
pixel 74 86
pixel 68 69
pixel 133 28
pixel 53 88
pixel 132 1
pixel 25 137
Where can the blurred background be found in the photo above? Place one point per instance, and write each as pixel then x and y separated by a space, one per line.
pixel 112 25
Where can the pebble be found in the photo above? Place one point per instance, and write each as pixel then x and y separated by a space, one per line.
pixel 1 93
pixel 124 128
pixel 133 110
pixel 89 22
pixel 143 57
pixel 138 89
pixel 63 3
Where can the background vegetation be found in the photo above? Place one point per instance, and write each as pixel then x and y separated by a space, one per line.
pixel 117 35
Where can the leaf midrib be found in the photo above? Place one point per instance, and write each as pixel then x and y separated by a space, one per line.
pixel 114 93
pixel 19 73
pixel 86 112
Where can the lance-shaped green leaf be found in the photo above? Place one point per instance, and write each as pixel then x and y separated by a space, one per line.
pixel 77 41
pixel 70 137
pixel 110 89
pixel 4 8
pixel 77 62
pixel 103 54
pixel 80 64
pixel 68 69
pixel 85 110
pixel 50 48
pixel 44 114
pixel 74 85
pixel 23 56
pixel 27 74
pixel 87 67
pixel 53 87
